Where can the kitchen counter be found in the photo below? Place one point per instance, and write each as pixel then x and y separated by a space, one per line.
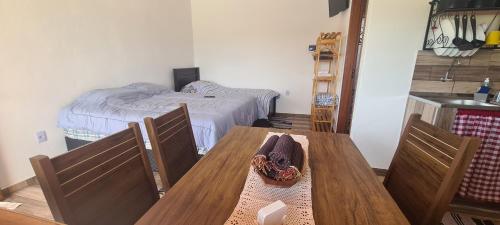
pixel 460 101
pixel 440 109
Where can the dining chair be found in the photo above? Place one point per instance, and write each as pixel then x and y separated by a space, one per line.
pixel 174 147
pixel 427 169
pixel 108 181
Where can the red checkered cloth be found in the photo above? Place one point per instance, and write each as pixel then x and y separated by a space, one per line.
pixel 482 179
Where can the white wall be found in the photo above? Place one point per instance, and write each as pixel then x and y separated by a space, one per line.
pixel 53 50
pixel 394 32
pixel 262 44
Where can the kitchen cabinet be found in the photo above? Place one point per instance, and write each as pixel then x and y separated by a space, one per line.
pixel 431 112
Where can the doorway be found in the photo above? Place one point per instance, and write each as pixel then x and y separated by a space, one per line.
pixel 357 22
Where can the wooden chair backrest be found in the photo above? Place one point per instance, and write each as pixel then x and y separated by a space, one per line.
pixel 427 169
pixel 174 147
pixel 109 181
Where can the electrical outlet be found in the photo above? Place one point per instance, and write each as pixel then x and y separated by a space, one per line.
pixel 41 136
pixel 287 92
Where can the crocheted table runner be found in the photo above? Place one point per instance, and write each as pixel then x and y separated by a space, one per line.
pixel 256 194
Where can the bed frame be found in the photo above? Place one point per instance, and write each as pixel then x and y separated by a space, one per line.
pixel 184 76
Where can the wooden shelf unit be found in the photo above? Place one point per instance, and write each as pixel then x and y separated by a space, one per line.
pixel 326 66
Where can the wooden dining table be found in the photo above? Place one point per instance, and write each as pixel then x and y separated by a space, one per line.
pixel 345 190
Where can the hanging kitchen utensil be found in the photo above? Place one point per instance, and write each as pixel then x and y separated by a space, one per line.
pixel 457 41
pixel 469 37
pixel 475 42
pixel 480 35
pixel 466 44
pixel 456 51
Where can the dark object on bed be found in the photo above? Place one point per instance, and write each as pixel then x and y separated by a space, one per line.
pixel 75 143
pixel 184 76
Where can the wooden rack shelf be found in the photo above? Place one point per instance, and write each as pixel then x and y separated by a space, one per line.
pixel 326 65
pixel 320 107
pixel 324 78
pixel 324 56
pixel 322 127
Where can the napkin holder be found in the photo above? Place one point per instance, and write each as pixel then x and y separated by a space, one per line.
pixel 273 214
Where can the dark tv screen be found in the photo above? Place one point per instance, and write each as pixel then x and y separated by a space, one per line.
pixel 337 6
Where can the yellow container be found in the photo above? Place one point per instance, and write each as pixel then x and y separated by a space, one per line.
pixel 493 38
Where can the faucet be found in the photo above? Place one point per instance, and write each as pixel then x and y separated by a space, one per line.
pixel 496 99
pixel 456 61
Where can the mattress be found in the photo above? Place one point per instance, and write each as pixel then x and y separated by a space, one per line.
pixel 89 136
pixel 263 96
pixel 99 113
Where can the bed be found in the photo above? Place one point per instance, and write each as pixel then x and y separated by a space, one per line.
pixel 213 109
pixel 99 113
pixel 187 80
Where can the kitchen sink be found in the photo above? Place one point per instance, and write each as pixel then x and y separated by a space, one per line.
pixel 464 102
pixel 456 101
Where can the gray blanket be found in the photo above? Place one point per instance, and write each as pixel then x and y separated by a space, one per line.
pixel 263 96
pixel 106 111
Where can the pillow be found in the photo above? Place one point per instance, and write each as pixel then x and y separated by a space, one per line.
pixel 188 89
pixel 202 87
pixel 149 88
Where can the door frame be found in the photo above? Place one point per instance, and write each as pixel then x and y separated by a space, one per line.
pixel 358 9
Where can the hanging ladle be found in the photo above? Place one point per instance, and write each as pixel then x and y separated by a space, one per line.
pixel 461 44
pixel 475 42
pixel 467 44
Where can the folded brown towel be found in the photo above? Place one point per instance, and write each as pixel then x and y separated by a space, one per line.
pixel 261 157
pixel 280 158
pixel 298 156
pixel 268 146
pixel 282 153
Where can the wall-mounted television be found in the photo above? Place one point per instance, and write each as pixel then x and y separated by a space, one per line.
pixel 337 6
pixel 467 5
